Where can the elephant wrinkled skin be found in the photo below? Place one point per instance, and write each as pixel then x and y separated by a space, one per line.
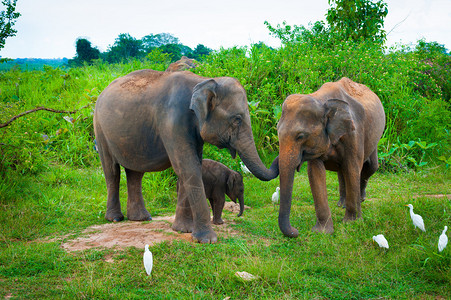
pixel 219 181
pixel 148 121
pixel 336 128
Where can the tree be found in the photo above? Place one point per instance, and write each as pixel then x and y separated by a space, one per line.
pixel 358 19
pixel 7 20
pixel 153 41
pixel 200 51
pixel 85 52
pixel 124 47
pixel 174 51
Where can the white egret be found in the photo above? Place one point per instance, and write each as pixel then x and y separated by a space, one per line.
pixel 416 219
pixel 148 260
pixel 381 240
pixel 442 240
pixel 275 196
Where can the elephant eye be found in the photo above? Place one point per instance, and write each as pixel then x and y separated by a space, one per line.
pixel 237 120
pixel 301 136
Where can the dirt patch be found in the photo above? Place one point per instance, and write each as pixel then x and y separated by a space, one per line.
pixel 137 234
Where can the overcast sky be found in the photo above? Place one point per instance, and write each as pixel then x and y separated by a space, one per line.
pixel 49 28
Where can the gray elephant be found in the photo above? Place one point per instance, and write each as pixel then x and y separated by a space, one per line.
pixel 148 121
pixel 336 128
pixel 219 181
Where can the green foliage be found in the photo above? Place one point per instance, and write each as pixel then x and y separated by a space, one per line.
pixel 85 52
pixel 153 41
pixel 358 19
pixel 200 52
pixel 7 20
pixel 403 156
pixel 124 48
pixel 411 88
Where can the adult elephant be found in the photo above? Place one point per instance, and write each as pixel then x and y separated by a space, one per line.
pixel 148 121
pixel 336 128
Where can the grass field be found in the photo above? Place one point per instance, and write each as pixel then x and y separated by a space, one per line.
pixel 41 212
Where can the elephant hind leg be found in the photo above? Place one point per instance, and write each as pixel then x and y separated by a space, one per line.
pixel 136 209
pixel 369 168
pixel 112 172
pixel 113 205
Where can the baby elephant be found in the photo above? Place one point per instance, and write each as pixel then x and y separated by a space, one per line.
pixel 219 181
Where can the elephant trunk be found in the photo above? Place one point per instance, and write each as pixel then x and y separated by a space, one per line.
pixel 241 201
pixel 245 147
pixel 287 166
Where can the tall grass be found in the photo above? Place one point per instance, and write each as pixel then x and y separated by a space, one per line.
pixel 410 83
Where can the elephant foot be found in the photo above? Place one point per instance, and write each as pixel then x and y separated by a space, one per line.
pixel 341 202
pixel 350 216
pixel 362 196
pixel 183 226
pixel 206 236
pixel 142 215
pixel 219 221
pixel 326 227
pixel 114 216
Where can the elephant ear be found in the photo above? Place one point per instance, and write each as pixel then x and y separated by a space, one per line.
pixel 204 99
pixel 338 119
pixel 232 181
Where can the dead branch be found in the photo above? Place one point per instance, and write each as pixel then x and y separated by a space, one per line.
pixel 42 108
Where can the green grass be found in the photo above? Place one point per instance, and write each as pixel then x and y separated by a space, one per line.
pixel 62 201
pixel 52 187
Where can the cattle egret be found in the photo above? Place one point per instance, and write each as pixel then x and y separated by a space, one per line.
pixel 416 219
pixel 275 196
pixel 244 168
pixel 381 241
pixel 442 240
pixel 148 260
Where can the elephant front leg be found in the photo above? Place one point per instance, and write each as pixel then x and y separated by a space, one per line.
pixel 136 209
pixel 352 181
pixel 194 201
pixel 183 214
pixel 217 205
pixel 342 189
pixel 317 179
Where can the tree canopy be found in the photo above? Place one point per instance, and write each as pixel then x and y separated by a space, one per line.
pixel 358 19
pixel 85 52
pixel 8 18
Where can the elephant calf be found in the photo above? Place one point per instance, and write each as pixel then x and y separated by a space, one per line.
pixel 336 128
pixel 220 181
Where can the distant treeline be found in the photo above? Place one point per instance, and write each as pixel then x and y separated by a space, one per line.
pixel 127 47
pixel 32 63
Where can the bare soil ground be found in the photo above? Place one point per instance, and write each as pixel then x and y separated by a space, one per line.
pixel 138 234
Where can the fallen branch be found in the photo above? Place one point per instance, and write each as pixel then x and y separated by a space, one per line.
pixel 42 108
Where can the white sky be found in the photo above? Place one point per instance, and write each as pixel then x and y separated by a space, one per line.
pixel 49 28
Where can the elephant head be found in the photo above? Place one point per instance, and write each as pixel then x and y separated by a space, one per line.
pixel 235 189
pixel 307 129
pixel 222 111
